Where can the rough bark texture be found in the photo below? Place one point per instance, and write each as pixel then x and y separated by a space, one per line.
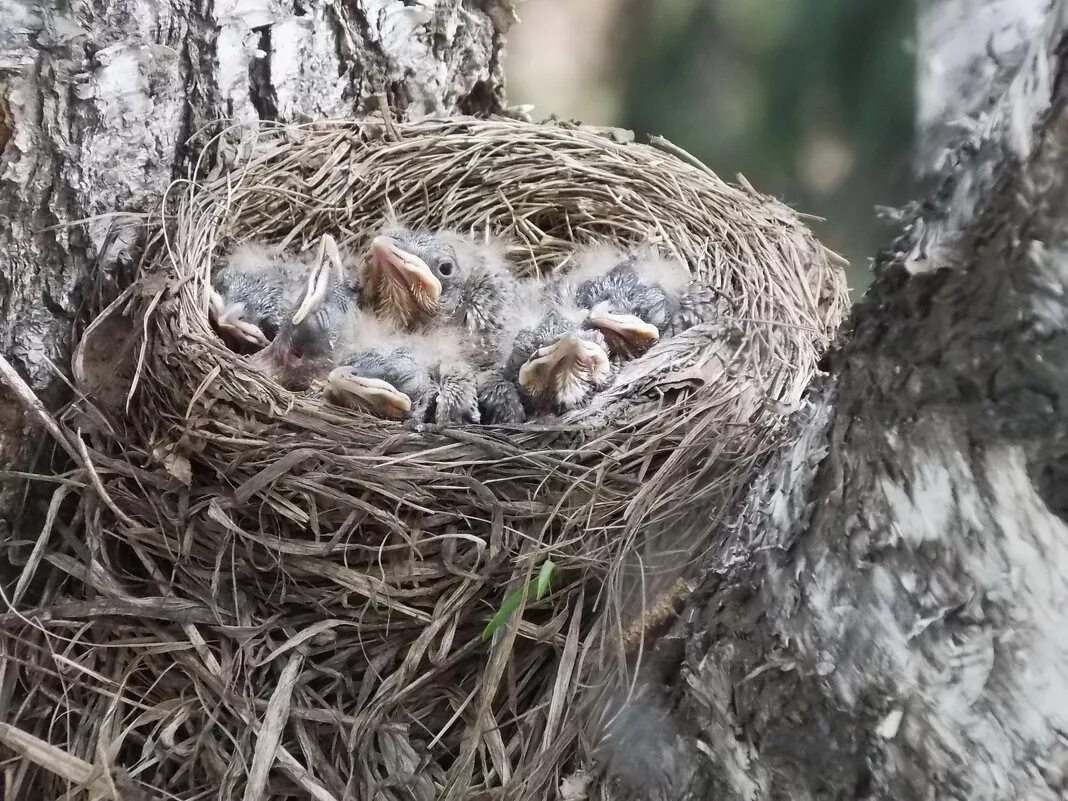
pixel 886 619
pixel 968 50
pixel 97 101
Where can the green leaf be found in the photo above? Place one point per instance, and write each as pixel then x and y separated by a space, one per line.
pixel 510 604
pixel 545 575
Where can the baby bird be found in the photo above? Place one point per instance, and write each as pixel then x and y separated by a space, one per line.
pixel 629 311
pixel 423 378
pixel 424 281
pixel 420 280
pixel 556 363
pixel 639 298
pixel 309 342
pixel 252 292
pixel 379 382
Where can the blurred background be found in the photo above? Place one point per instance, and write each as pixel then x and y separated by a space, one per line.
pixel 810 100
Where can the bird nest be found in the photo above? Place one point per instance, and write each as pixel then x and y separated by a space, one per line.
pixel 260 593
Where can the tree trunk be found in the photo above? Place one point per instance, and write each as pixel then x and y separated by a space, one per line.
pixel 968 51
pixel 883 621
pixel 97 101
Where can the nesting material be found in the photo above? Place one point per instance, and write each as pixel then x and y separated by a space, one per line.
pixel 258 592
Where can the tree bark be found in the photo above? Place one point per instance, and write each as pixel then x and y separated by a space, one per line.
pixel 968 50
pixel 886 619
pixel 98 101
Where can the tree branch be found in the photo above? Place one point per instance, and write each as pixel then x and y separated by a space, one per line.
pixel 885 620
pixel 967 50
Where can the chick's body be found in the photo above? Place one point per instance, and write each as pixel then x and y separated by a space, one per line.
pixel 431 372
pixel 253 291
pixel 481 301
pixel 555 362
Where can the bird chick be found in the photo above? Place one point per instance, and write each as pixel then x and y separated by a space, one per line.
pixel 310 340
pixel 420 280
pixel 623 307
pixel 639 298
pixel 424 281
pixel 251 294
pixel 379 382
pixel 419 377
pixel 556 363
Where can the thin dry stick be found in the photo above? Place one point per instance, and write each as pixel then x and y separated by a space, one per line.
pixel 270 732
pixel 32 404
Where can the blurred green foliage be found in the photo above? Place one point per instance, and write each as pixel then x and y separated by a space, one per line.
pixel 811 100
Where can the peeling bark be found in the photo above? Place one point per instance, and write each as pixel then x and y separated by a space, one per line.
pixel 99 100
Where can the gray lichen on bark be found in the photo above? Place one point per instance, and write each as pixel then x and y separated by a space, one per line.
pixel 977 113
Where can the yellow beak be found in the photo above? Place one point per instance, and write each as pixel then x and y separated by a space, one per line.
pixel 560 363
pixel 634 331
pixel 409 269
pixel 371 394
pixel 319 280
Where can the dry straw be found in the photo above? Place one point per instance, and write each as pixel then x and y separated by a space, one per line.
pixel 241 593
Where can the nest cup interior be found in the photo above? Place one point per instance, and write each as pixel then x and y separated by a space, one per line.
pixel 352 564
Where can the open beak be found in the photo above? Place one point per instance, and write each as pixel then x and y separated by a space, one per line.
pixel 401 280
pixel 632 334
pixel 329 258
pixel 228 319
pixel 372 394
pixel 564 363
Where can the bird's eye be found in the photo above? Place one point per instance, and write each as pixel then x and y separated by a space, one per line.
pixel 446 268
pixel 296 353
